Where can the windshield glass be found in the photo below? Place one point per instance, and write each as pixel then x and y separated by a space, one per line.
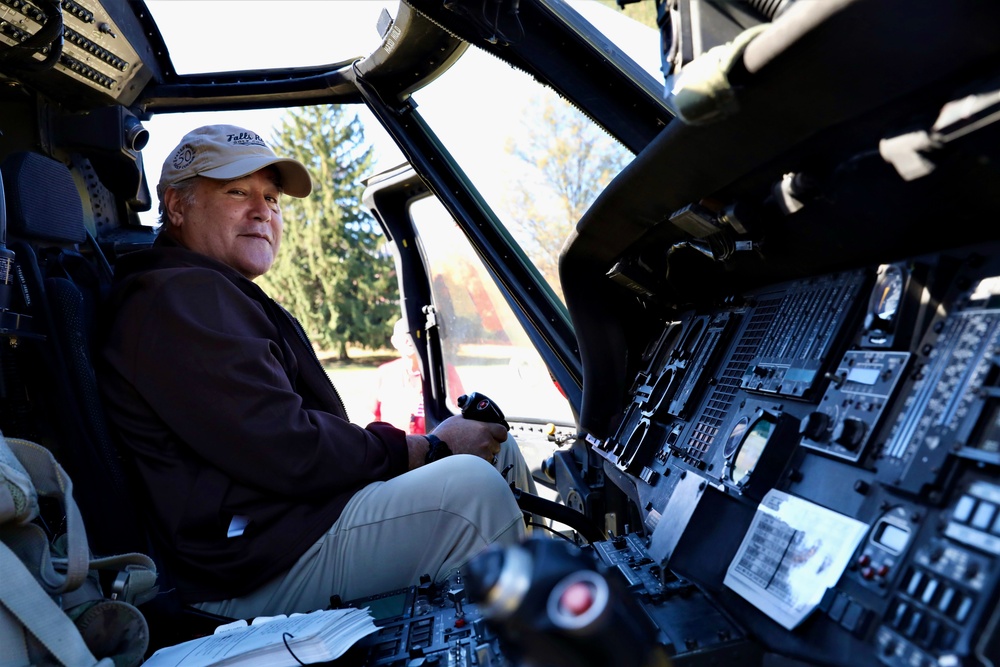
pixel 223 36
pixel 229 36
pixel 482 343
pixel 537 161
pixel 628 35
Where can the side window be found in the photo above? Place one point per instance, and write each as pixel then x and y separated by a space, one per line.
pixel 537 161
pixel 484 346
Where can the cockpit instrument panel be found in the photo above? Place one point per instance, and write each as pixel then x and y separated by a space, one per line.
pixel 824 396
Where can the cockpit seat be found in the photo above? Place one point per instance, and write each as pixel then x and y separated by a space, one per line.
pixel 64 276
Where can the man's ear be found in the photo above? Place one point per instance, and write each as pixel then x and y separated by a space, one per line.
pixel 173 205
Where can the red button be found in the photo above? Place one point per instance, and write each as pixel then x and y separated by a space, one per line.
pixel 577 598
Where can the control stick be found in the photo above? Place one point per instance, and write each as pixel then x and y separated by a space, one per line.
pixel 478 407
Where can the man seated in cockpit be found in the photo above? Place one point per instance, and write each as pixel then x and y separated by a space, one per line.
pixel 264 498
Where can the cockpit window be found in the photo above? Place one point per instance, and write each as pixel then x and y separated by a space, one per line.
pixel 224 36
pixel 234 37
pixel 537 161
pixel 628 35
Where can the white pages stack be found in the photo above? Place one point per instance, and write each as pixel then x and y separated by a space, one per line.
pixel 320 636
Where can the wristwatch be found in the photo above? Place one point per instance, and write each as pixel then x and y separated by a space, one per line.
pixel 438 449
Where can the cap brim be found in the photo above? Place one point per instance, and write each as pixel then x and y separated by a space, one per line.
pixel 295 180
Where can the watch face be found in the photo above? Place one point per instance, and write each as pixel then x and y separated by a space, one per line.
pixel 438 449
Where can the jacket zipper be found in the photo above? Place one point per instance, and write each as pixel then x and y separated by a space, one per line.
pixel 305 341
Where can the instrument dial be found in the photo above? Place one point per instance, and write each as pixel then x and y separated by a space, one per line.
pixel 886 295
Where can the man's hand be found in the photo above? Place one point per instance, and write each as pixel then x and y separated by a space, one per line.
pixel 463 436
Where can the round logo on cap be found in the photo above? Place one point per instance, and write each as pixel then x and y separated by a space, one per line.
pixel 183 157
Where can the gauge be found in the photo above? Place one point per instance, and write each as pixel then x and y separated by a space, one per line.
pixel 736 437
pixel 884 302
pixel 751 449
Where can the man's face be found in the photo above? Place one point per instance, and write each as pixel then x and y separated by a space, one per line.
pixel 236 222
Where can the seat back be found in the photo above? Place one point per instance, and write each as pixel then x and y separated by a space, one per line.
pixel 64 278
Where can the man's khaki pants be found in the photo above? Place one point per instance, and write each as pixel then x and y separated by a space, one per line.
pixel 431 520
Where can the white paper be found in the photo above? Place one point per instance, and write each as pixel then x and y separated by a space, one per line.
pixel 793 551
pixel 321 636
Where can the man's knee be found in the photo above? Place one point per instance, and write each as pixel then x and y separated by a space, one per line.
pixel 470 477
pixel 472 488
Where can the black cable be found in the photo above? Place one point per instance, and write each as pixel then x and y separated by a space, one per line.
pixel 285 637
pixel 49 35
pixel 517 17
pixel 552 530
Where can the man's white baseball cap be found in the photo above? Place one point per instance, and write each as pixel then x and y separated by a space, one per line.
pixel 228 152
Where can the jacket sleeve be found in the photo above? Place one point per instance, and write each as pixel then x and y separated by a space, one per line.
pixel 209 362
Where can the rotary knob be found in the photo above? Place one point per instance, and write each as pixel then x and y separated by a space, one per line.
pixel 815 426
pixel 850 433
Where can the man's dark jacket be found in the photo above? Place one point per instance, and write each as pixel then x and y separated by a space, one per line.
pixel 218 396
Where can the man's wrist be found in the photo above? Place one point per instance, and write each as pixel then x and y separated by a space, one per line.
pixel 436 448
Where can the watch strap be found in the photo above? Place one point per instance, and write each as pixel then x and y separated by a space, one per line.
pixel 438 448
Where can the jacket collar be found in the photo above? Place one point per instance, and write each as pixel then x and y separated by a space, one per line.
pixel 168 253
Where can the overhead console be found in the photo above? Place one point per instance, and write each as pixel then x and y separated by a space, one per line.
pixel 73 50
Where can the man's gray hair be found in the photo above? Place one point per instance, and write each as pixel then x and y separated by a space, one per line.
pixel 185 190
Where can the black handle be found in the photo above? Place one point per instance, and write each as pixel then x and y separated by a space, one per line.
pixel 477 407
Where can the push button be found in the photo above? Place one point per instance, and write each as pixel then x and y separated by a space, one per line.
pixel 854 617
pixel 577 599
pixel 983 516
pixel 929 591
pixel 898 615
pixel 963 510
pixel 838 607
pixel 944 602
pixel 964 607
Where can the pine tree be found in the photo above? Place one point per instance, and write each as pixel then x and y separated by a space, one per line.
pixel 333 271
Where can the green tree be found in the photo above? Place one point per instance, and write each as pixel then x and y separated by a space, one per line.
pixel 572 160
pixel 334 272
